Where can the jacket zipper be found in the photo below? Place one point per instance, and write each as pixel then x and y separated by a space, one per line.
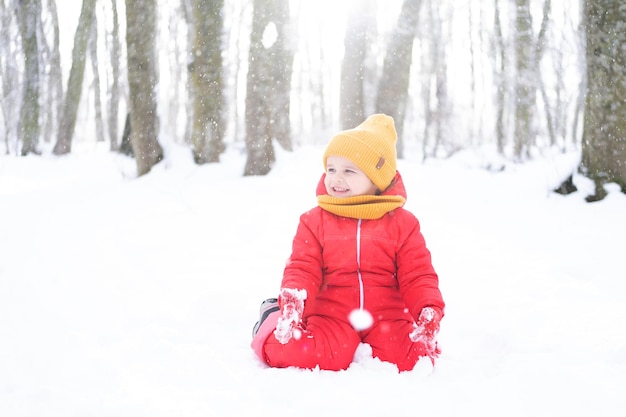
pixel 358 265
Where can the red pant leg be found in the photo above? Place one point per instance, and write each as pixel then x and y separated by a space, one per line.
pixel 390 342
pixel 327 343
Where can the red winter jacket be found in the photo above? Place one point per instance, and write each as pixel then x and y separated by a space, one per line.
pixel 396 273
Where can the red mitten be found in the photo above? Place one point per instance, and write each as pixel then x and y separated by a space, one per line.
pixel 425 331
pixel 291 302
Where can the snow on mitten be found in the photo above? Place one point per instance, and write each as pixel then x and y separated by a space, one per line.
pixel 291 303
pixel 425 332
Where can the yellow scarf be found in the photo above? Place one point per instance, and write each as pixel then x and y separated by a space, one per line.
pixel 368 207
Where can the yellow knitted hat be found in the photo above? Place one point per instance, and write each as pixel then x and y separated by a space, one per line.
pixel 371 146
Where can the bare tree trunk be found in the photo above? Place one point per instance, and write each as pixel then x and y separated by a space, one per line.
pixel 579 110
pixel 93 56
pixel 236 32
pixel 394 83
pixel 177 60
pixel 9 102
pixel 283 65
pixel 539 50
pixel 604 131
pixel 141 18
pixel 472 53
pixel 437 106
pixel 429 65
pixel 46 92
pixel 352 99
pixel 259 146
pixel 443 134
pixel 75 82
pixel 268 86
pixel 318 81
pixel 525 86
pixel 187 6
pixel 114 94
pixel 29 12
pixel 579 107
pixel 500 76
pixel 55 75
pixel 427 108
pixel 207 79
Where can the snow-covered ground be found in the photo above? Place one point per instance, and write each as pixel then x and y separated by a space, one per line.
pixel 123 296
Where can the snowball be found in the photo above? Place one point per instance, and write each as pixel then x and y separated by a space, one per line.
pixel 297 334
pixel 428 313
pixel 360 319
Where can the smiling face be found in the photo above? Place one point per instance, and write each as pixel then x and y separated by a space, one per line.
pixel 345 179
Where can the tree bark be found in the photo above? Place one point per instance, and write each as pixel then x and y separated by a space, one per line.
pixel 437 105
pixel 393 89
pixel 9 104
pixel 52 82
pixel 178 66
pixel 187 6
pixel 352 96
pixel 208 129
pixel 268 85
pixel 604 130
pixel 539 51
pixel 75 82
pixel 97 102
pixel 114 94
pixel 500 79
pixel 29 12
pixel 525 86
pixel 142 80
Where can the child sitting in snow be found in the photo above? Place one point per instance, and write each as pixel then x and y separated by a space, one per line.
pixel 359 271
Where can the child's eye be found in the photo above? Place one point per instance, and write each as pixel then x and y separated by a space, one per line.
pixel 349 171
pixel 332 170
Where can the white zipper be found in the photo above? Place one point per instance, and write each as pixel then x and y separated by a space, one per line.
pixel 358 265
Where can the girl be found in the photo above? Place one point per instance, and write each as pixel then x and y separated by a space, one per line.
pixel 359 271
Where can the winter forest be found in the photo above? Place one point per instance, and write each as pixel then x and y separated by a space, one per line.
pixel 156 157
pixel 516 78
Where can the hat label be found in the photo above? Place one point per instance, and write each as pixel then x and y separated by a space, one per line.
pixel 380 163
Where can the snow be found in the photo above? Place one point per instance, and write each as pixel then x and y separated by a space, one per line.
pixel 360 319
pixel 291 301
pixel 136 296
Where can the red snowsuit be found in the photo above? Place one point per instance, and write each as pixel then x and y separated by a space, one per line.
pixel 396 281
